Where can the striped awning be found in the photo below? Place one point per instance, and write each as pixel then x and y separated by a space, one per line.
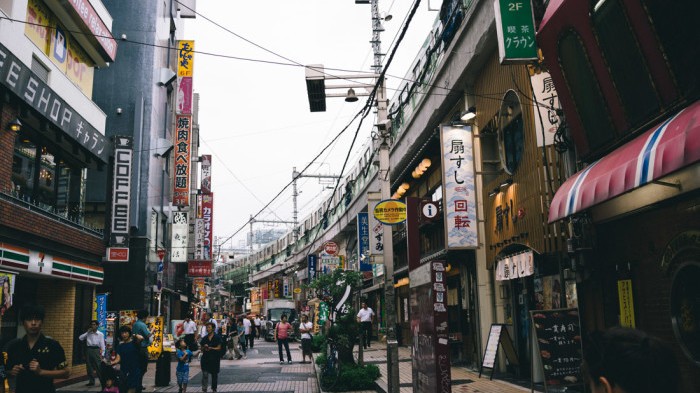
pixel 664 149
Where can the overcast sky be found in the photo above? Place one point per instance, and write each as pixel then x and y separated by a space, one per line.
pixel 254 117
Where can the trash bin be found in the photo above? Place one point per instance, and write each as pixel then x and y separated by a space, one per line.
pixel 163 369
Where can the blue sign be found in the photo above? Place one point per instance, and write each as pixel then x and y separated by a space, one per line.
pixel 160 266
pixel 312 259
pixel 363 242
pixel 101 300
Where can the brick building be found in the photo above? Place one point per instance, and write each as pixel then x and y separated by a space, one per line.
pixel 51 134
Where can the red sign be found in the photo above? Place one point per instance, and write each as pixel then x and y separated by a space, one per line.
pixel 197 268
pixel 330 248
pixel 97 27
pixel 182 146
pixel 161 254
pixel 118 254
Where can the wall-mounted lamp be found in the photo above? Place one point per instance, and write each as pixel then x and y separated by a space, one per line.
pixel 493 192
pixel 506 183
pixel 469 115
pixel 351 97
pixel 401 191
pixel 15 125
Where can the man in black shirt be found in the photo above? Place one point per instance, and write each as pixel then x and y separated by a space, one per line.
pixel 35 360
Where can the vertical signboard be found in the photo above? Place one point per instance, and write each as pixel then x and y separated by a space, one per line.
pixel 311 260
pixel 363 242
pixel 458 187
pixel 429 327
pixel 184 95
pixel 185 58
pixel 155 325
pixel 181 172
pixel 376 232
pixel 547 101
pixel 178 241
pixel 515 29
pixel 206 174
pixel 121 200
pixel 208 223
pixel 624 294
pixel 101 312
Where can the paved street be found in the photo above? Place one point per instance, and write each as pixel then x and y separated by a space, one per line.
pixel 260 372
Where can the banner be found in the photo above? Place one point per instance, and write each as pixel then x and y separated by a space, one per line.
pixel 184 95
pixel 515 29
pixel 208 225
pixel 458 187
pixel 363 242
pixel 206 174
pixel 8 289
pixel 183 151
pixel 376 234
pixel 155 325
pixel 311 263
pixel 101 312
pixel 178 242
pixel 199 291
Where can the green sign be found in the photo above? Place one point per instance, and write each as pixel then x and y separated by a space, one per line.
pixel 515 26
pixel 323 313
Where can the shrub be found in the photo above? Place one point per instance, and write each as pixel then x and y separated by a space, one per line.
pixel 318 343
pixel 352 377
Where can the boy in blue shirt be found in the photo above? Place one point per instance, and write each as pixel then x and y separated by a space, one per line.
pixel 184 356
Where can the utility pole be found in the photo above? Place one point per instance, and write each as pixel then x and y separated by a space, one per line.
pixel 392 345
pixel 295 214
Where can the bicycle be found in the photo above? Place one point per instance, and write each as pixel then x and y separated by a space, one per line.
pixel 332 368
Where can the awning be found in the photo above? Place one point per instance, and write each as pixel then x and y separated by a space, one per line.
pixel 666 148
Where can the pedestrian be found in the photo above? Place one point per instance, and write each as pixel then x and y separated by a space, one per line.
pixel 624 360
pixel 211 358
pixel 184 357
pixel 95 341
pixel 35 360
pixel 248 331
pixel 365 317
pixel 143 336
pixel 305 328
pixel 189 328
pixel 240 328
pixel 257 323
pixel 232 343
pixel 282 337
pixel 129 359
pixel 109 386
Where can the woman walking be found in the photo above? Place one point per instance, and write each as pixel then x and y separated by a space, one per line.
pixel 282 337
pixel 211 358
pixel 129 358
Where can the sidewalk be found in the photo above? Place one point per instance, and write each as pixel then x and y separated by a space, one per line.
pixel 463 379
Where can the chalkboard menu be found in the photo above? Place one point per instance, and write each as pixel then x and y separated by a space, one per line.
pixel 559 345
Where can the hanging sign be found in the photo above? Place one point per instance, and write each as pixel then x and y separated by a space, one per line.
pixel 547 102
pixel 206 174
pixel 185 58
pixel 390 212
pixel 182 153
pixel 178 242
pixel 121 192
pixel 458 187
pixel 376 234
pixel 311 262
pixel 624 294
pixel 515 29
pixel 199 268
pixel 363 242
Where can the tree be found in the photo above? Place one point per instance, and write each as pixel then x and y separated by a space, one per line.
pixel 331 289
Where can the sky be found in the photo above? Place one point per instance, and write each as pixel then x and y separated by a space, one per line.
pixel 254 116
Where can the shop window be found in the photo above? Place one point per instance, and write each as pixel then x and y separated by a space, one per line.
pixel 675 25
pixel 511 132
pixel 42 177
pixel 627 65
pixel 585 91
pixel 685 309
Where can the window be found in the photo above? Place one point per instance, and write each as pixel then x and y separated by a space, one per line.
pixel 40 69
pixel 43 177
pixel 621 49
pixel 585 91
pixel 511 133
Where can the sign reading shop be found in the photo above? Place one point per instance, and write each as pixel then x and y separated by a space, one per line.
pixel 19 78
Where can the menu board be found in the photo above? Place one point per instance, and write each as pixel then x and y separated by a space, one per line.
pixel 498 335
pixel 559 345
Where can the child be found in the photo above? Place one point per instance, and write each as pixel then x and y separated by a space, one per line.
pixel 109 387
pixel 184 356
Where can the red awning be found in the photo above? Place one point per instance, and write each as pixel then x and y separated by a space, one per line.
pixel 666 148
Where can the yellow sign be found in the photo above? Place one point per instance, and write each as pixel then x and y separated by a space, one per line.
pixel 155 325
pixel 297 290
pixel 390 212
pixel 185 58
pixel 625 295
pixel 38 25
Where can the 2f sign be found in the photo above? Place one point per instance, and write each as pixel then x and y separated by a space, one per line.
pixel 515 6
pixel 123 154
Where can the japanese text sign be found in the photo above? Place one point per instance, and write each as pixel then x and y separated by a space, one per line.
pixel 363 242
pixel 182 146
pixel 185 58
pixel 155 325
pixel 626 299
pixel 558 334
pixel 206 174
pixel 178 242
pixel 515 28
pixel 459 201
pixel 376 233
pixel 197 268
pixel 547 102
pixel 312 260
pixel 121 191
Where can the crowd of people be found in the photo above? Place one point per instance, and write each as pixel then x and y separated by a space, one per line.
pixel 618 360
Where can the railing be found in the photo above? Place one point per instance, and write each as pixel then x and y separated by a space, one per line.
pixel 75 221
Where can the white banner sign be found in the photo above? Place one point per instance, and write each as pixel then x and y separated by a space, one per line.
pixel 376 235
pixel 178 242
pixel 546 121
pixel 459 193
pixel 515 266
